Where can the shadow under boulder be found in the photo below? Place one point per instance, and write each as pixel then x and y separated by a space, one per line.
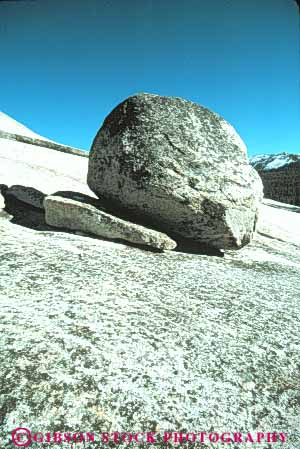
pixel 29 195
pixel 23 213
pixel 183 245
pixel 75 212
pixel 78 196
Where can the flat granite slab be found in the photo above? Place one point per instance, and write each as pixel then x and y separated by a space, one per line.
pixel 99 335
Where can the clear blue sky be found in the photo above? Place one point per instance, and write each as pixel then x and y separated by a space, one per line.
pixel 66 63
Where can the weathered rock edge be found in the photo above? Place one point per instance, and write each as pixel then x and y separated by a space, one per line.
pixel 176 166
pixel 77 216
pixel 28 195
pixel 43 143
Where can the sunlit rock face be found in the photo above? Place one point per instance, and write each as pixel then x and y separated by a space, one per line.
pixel 76 215
pixel 178 166
pixel 280 174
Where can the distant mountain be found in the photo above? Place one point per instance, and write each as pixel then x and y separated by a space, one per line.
pixel 267 162
pixel 280 174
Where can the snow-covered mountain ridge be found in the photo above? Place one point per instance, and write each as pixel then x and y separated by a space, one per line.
pixel 267 162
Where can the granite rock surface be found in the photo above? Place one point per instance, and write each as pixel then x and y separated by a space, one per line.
pixel 99 335
pixel 79 216
pixel 28 195
pixel 178 166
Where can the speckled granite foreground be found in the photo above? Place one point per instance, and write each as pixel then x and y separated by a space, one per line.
pixel 97 335
pixel 100 336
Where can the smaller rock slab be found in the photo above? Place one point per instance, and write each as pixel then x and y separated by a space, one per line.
pixel 28 195
pixel 77 216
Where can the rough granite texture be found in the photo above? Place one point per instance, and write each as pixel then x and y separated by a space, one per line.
pixel 79 216
pixel 98 335
pixel 28 195
pixel 178 166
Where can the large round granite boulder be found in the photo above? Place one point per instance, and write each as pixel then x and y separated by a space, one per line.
pixel 179 167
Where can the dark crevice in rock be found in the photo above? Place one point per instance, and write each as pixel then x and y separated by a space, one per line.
pixel 192 247
pixel 78 196
pixel 173 145
pixel 24 214
pixel 184 245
